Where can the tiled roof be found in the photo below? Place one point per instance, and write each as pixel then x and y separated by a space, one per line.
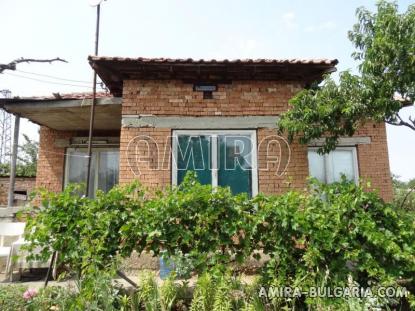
pixel 114 70
pixel 217 61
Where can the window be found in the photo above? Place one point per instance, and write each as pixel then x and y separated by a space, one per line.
pixel 104 168
pixel 220 158
pixel 329 167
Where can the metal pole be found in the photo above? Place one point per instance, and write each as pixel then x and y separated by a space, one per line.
pixel 94 100
pixel 52 262
pixel 10 198
pixel 91 128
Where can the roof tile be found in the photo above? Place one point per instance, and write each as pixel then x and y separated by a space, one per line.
pixel 67 96
pixel 216 61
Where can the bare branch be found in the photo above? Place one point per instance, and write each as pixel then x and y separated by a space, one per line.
pixel 407 103
pixel 391 123
pixel 406 196
pixel 404 123
pixel 12 65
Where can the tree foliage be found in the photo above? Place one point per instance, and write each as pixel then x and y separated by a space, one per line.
pixel 385 83
pixel 404 194
pixel 26 159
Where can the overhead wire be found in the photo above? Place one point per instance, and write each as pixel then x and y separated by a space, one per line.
pixel 45 81
pixel 101 84
pixel 52 77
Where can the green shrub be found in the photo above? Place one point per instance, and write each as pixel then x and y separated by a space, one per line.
pixel 11 297
pixel 322 237
pixel 52 298
pixel 217 291
pixel 85 232
pixel 169 293
pixel 96 291
pixel 203 295
pixel 152 297
pixel 208 227
pixel 44 299
pixel 149 293
pixel 222 300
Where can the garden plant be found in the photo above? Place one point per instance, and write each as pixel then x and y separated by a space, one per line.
pixel 325 236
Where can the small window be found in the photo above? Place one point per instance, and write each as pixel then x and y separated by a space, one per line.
pixel 104 168
pixel 220 158
pixel 330 167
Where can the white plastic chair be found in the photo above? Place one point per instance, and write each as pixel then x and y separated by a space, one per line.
pixel 10 229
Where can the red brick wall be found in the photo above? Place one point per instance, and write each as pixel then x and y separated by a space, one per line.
pixel 50 165
pixel 373 163
pixel 373 159
pixel 145 155
pixel 178 98
pixel 21 184
pixel 281 166
pixel 279 169
pixel 235 99
pixel 51 162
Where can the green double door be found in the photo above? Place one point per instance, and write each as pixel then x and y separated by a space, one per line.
pixel 218 159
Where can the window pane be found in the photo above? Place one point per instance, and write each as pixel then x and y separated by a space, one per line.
pixel 193 153
pixel 331 167
pixel 235 163
pixel 77 162
pixel 316 165
pixel 108 170
pixel 341 163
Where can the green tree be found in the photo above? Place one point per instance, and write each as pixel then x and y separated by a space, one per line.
pixel 385 83
pixel 26 159
pixel 404 194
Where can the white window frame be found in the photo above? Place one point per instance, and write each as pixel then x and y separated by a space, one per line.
pixel 328 169
pixel 214 153
pixel 99 150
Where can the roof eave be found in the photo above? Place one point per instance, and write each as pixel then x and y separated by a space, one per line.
pixel 113 71
pixel 68 114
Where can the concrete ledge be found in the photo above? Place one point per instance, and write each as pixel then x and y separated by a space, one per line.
pixel 178 122
pixel 7 212
pixel 60 103
pixel 344 141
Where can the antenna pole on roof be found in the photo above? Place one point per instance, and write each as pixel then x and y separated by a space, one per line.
pixel 94 100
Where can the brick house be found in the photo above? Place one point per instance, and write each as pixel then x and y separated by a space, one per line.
pixel 167 116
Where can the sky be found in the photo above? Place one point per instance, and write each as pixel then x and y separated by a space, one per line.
pixel 178 28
